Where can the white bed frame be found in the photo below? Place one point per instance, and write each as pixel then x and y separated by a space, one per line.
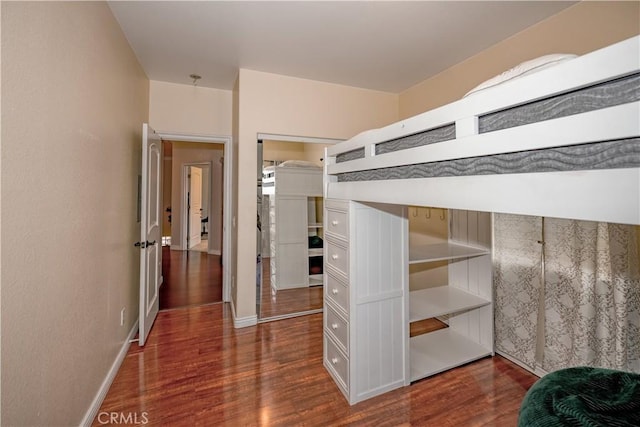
pixel 609 195
pixel 367 301
pixel 298 181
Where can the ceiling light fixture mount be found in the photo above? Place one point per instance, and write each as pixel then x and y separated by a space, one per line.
pixel 195 78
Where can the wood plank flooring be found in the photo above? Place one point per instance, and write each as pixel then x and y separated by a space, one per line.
pixel 191 278
pixel 286 301
pixel 196 369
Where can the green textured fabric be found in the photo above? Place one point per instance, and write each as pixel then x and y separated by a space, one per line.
pixel 589 397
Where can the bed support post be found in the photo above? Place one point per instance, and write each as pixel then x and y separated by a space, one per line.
pixel 467 127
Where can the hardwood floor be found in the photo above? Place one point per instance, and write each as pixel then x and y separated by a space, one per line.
pixel 191 278
pixel 196 369
pixel 286 301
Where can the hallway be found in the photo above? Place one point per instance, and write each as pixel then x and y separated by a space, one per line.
pixel 191 279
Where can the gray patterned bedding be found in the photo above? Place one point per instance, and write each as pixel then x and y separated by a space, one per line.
pixel 623 153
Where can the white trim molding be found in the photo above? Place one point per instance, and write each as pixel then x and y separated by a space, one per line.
pixel 242 322
pixel 292 138
pixel 91 413
pixel 228 214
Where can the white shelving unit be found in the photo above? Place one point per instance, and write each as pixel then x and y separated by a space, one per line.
pixel 465 303
pixel 443 252
pixel 315 207
pixel 295 215
pixel 369 307
pixel 441 350
pixel 440 301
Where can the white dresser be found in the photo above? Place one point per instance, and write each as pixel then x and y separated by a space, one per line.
pixel 364 344
pixel 368 306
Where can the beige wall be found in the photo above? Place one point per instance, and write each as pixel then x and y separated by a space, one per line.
pixel 580 29
pixel 189 152
pixel 276 104
pixel 189 109
pixel 73 103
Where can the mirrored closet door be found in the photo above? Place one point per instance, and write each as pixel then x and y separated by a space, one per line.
pixel 290 236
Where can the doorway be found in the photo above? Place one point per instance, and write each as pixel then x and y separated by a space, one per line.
pixel 201 202
pixel 193 277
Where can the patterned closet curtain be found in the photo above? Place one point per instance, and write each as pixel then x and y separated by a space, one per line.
pixel 584 310
pixel 517 278
pixel 592 295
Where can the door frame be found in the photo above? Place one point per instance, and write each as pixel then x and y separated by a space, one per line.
pixel 227 201
pixel 185 208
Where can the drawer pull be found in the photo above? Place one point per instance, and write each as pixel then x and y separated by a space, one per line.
pixel 334 222
pixel 334 326
pixel 334 291
pixel 334 360
pixel 334 256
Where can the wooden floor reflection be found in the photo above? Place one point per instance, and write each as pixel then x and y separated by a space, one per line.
pixel 286 301
pixel 196 369
pixel 191 278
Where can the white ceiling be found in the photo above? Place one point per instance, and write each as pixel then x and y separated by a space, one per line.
pixel 387 46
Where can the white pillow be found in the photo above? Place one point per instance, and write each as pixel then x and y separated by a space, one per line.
pixel 523 69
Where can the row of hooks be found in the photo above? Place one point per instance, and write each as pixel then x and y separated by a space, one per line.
pixel 428 213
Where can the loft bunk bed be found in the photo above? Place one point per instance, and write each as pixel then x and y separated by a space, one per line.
pixel 558 142
pixel 561 142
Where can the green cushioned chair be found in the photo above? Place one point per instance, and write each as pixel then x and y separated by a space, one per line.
pixel 583 396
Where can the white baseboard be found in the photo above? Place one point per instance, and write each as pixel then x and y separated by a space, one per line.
pixel 106 383
pixel 242 322
pixel 215 252
pixel 537 371
pixel 176 247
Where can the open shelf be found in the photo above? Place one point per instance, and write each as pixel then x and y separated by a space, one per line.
pixel 443 251
pixel 434 302
pixel 315 279
pixel 438 351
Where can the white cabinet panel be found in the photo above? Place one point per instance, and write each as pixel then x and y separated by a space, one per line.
pixel 291 217
pixel 338 328
pixel 337 256
pixel 337 291
pixel 337 363
pixel 466 301
pixel 337 223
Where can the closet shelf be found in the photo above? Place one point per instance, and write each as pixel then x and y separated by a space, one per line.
pixel 441 300
pixel 315 251
pixel 315 225
pixel 315 279
pixel 441 350
pixel 444 251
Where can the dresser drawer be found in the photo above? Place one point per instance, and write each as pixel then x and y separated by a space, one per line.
pixel 337 292
pixel 337 363
pixel 338 257
pixel 337 223
pixel 337 327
